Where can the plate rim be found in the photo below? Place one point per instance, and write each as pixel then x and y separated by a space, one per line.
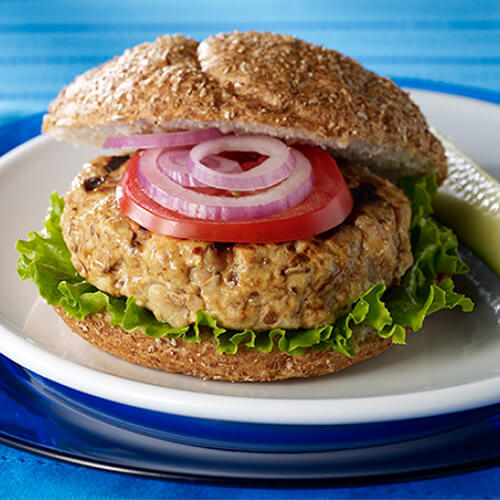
pixel 478 458
pixel 248 409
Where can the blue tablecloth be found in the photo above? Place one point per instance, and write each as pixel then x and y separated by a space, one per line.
pixel 44 44
pixel 23 475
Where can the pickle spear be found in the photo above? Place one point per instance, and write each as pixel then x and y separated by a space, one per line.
pixel 469 203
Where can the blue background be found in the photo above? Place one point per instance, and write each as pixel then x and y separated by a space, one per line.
pixel 43 45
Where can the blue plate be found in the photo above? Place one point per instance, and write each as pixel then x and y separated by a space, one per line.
pixel 50 419
pixel 54 420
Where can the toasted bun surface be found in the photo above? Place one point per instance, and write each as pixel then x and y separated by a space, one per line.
pixel 251 83
pixel 202 360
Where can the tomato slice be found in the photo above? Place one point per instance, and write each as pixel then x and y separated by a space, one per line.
pixel 328 205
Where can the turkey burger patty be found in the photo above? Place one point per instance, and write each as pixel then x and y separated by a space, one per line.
pixel 299 284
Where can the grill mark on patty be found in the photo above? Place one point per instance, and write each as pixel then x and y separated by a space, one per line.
pixel 91 183
pixel 116 162
pixel 220 249
pixel 113 163
pixel 365 193
pixel 133 242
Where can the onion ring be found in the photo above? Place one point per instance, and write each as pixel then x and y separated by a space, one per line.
pixel 171 195
pixel 276 168
pixel 173 163
pixel 172 139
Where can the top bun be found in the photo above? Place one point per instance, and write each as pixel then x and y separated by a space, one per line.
pixel 251 82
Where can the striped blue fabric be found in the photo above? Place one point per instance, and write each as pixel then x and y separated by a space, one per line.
pixel 45 44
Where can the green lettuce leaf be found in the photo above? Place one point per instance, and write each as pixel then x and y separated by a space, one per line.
pixel 425 288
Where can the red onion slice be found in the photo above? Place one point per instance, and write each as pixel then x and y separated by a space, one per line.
pixel 173 164
pixel 171 195
pixel 173 139
pixel 276 168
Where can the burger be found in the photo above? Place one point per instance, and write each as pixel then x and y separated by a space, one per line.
pixel 265 212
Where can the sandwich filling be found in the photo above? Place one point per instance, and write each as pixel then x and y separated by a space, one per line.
pixel 305 283
pixel 366 273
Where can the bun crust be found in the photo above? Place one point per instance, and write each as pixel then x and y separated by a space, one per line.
pixel 202 360
pixel 251 82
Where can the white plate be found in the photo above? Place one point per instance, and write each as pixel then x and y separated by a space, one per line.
pixel 450 365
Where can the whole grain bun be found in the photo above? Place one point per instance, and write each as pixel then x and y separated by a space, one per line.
pixel 251 83
pixel 202 360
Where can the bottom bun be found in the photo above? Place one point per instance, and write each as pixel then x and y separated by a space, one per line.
pixel 201 359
